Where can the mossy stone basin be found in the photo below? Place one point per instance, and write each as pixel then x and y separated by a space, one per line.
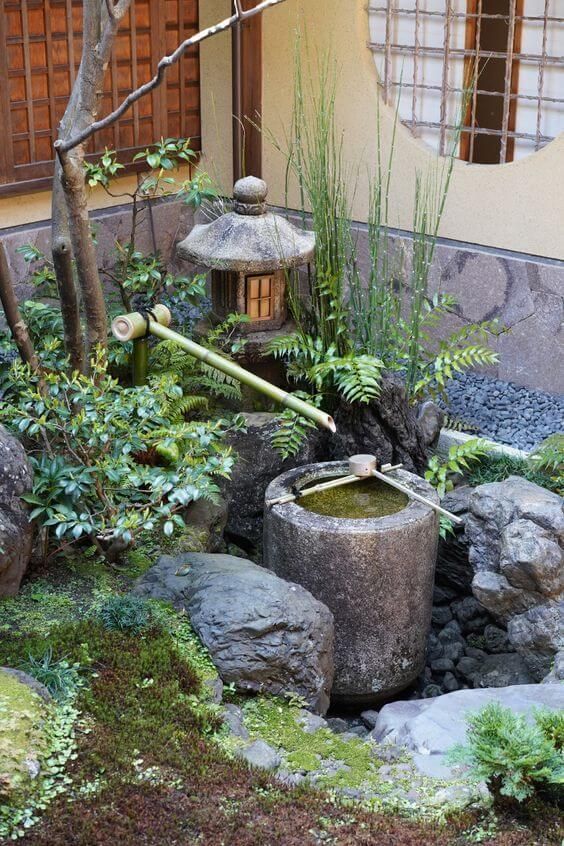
pixel 375 573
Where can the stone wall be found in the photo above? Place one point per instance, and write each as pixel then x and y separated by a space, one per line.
pixel 172 220
pixel 525 293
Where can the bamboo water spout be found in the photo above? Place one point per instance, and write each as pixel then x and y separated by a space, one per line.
pixel 136 326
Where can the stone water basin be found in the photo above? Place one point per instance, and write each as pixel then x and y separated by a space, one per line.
pixel 375 573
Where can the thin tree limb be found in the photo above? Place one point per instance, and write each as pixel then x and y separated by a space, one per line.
pixel 64 145
pixel 16 323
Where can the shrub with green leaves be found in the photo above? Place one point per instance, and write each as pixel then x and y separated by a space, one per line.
pixel 112 462
pixel 515 757
pixel 440 473
pixel 125 614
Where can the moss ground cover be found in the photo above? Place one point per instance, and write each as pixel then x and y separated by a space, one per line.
pixel 148 768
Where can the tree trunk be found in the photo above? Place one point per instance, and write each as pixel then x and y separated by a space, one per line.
pixel 95 314
pixel 70 308
pixel 16 323
pixel 71 227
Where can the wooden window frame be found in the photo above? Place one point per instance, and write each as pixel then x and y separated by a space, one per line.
pixel 470 44
pixel 37 176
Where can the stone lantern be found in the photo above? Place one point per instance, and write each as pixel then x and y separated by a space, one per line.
pixel 249 251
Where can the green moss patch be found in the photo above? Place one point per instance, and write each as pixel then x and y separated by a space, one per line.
pixel 22 737
pixel 357 765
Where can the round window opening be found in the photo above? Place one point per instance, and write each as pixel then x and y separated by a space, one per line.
pixel 493 68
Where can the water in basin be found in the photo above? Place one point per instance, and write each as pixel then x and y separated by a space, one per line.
pixel 362 500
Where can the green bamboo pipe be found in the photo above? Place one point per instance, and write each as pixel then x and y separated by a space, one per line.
pixel 140 361
pixel 130 327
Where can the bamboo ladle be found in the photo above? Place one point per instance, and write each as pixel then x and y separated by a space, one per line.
pixel 362 467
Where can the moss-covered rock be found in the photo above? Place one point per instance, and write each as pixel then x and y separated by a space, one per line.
pixel 22 740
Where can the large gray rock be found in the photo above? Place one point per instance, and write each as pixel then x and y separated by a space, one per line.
pixel 263 633
pixel 428 728
pixel 515 531
pixel 258 463
pixel 539 635
pixel 16 532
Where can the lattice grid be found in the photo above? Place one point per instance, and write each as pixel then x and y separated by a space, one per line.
pixel 505 56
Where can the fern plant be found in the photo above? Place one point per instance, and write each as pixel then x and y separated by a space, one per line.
pixel 196 382
pixel 439 473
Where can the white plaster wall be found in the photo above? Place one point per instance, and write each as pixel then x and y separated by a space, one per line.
pixel 517 206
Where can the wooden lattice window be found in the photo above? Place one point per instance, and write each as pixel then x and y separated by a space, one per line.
pixel 40 48
pixel 508 53
pixel 259 297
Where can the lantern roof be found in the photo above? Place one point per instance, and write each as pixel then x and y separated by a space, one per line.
pixel 248 239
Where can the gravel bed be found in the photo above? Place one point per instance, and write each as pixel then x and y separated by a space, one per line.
pixel 508 413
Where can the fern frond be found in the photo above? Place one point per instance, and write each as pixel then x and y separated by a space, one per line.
pixel 356 377
pixel 228 389
pixel 291 433
pixel 447 363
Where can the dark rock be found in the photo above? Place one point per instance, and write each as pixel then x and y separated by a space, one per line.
pixel 369 718
pixel 468 667
pixel 502 671
pixel 442 665
pixel 454 651
pixel 16 532
pixel 473 652
pixel 471 614
pixel 359 731
pixel 443 595
pixel 453 567
pixel 496 640
pixel 430 419
pixel 434 647
pixel 431 691
pixel 441 614
pixel 263 634
pixel 386 427
pixel 338 725
pixel 258 463
pixel 450 683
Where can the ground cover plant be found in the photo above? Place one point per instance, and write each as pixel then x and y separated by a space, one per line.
pixel 514 757
pixel 143 763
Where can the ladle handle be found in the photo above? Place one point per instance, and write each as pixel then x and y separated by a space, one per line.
pixel 412 495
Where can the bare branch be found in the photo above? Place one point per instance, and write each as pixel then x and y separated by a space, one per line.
pixel 110 8
pixel 63 146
